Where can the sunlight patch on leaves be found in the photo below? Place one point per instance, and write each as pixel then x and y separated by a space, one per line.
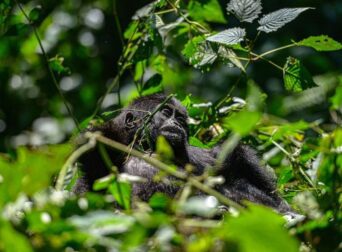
pixel 277 19
pixel 245 10
pixel 228 37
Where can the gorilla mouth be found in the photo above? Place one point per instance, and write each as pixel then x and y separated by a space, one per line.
pixel 171 133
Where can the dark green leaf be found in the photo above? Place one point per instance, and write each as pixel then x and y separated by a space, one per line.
pixel 296 76
pixel 154 81
pixel 17 29
pixel 35 13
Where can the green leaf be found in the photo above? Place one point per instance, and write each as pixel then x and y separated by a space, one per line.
pixel 144 51
pixel 121 192
pixel 206 10
pixel 191 46
pixel 194 141
pixel 242 122
pixel 103 183
pixel 159 201
pixel 153 85
pixel 199 53
pixel 11 240
pixel 164 150
pixel 17 29
pixel 56 64
pixel 296 76
pixel 132 31
pixel 31 172
pixel 35 13
pixel 154 81
pixel 336 100
pixel 258 229
pixel 321 43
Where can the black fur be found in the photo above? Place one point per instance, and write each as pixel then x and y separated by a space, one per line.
pixel 245 179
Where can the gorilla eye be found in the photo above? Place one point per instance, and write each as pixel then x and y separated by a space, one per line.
pixel 167 112
pixel 181 120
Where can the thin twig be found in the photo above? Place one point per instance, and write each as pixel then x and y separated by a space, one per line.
pixel 53 77
pixel 72 159
pixel 166 168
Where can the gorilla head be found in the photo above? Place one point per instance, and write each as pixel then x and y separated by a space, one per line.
pixel 169 121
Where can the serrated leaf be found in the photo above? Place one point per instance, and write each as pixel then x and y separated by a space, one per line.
pixel 296 77
pixel 206 10
pixel 199 53
pixel 245 10
pixel 229 54
pixel 145 11
pixel 277 19
pixel 228 37
pixel 321 43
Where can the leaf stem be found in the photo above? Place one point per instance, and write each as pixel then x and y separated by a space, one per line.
pixel 274 50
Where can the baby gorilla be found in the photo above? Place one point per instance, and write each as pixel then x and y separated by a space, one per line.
pixel 143 121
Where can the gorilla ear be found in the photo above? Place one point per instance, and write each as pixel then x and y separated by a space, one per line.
pixel 129 121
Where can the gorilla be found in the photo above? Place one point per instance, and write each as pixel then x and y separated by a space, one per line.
pixel 151 116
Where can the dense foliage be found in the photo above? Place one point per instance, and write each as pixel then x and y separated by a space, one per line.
pixel 240 74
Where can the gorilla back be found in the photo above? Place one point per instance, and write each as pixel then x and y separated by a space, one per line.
pixel 152 116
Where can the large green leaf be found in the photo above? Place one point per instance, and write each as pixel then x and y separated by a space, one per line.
pixel 259 229
pixel 31 172
pixel 206 10
pixel 321 43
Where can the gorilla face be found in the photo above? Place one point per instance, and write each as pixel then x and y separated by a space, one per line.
pixel 170 122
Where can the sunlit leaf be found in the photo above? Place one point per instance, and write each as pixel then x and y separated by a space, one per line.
pixel 230 55
pixel 242 122
pixel 121 192
pixel 296 77
pixel 336 100
pixel 262 229
pixel 245 10
pixel 321 43
pixel 164 150
pixel 277 19
pixel 12 240
pixel 228 37
pixel 206 10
